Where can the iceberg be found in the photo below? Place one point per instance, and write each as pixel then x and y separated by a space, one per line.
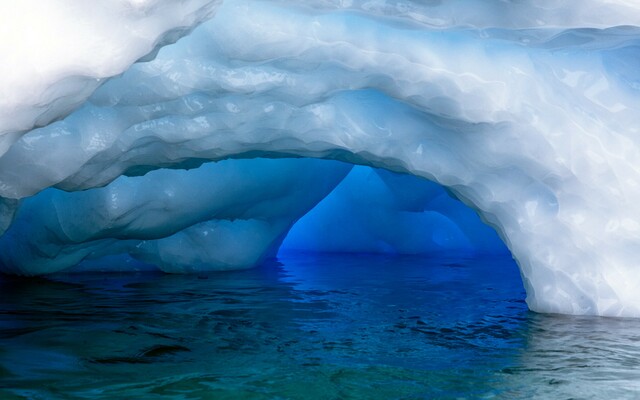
pixel 528 112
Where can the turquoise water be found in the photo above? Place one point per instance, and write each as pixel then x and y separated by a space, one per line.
pixel 307 328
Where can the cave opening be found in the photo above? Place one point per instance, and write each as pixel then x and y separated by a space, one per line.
pixel 375 315
pixel 391 230
pixel 376 211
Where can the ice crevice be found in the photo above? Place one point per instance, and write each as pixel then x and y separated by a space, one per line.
pixel 184 157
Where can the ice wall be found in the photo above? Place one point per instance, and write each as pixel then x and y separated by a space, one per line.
pixel 527 111
pixel 220 216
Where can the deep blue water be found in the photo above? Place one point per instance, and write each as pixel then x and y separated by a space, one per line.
pixel 322 327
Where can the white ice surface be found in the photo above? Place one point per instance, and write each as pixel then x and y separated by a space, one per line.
pixel 55 53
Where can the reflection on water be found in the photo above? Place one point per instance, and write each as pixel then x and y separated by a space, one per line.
pixel 313 328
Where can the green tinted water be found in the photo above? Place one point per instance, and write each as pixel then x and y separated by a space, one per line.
pixel 307 328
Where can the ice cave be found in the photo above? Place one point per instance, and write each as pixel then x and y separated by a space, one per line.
pixel 192 136
pixel 528 115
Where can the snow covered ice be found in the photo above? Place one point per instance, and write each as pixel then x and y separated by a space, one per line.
pixel 528 112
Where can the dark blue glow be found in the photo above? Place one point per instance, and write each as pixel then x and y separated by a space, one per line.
pixel 377 211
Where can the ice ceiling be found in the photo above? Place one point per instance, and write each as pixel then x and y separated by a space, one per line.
pixel 120 147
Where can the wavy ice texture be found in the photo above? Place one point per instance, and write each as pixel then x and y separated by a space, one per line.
pixel 231 214
pixel 527 111
pixel 377 211
pixel 56 53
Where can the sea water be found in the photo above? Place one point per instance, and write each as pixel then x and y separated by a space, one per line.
pixel 307 327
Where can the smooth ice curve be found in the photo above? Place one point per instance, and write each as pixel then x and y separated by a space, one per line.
pixel 529 112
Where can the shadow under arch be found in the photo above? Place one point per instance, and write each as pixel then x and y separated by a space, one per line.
pixel 376 211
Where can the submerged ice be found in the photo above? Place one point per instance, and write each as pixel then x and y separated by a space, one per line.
pixel 528 112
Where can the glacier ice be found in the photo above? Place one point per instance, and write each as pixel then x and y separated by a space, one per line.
pixel 56 53
pixel 226 215
pixel 527 111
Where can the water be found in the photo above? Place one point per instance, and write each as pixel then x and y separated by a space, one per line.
pixel 307 328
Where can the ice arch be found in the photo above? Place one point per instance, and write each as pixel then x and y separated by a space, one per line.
pixel 530 119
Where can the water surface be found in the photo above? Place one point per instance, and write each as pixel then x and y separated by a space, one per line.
pixel 312 327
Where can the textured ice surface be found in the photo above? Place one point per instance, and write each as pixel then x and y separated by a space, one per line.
pixel 226 215
pixel 55 53
pixel 528 111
